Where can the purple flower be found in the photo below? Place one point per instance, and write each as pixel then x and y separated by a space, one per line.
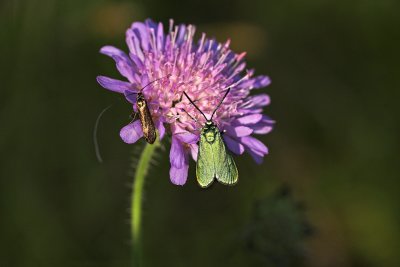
pixel 204 70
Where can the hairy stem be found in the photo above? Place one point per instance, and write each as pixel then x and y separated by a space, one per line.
pixel 137 196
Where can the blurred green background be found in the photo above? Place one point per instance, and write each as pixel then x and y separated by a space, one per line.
pixel 327 195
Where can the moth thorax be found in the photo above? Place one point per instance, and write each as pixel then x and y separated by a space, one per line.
pixel 210 136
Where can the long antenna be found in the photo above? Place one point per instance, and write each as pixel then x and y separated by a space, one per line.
pixel 166 76
pixel 215 110
pixel 189 115
pixel 195 106
pixel 194 119
pixel 95 141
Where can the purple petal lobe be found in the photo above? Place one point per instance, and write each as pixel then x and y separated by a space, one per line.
pixel 178 176
pixel 161 129
pixel 179 162
pixel 255 83
pixel 254 144
pixel 262 129
pixel 239 131
pixel 194 151
pixel 177 153
pixel 257 158
pixel 267 119
pixel 160 37
pixel 187 137
pixel 112 51
pixel 141 32
pixel 131 96
pixel 264 126
pixel 260 100
pixel 137 61
pixel 131 132
pixel 249 119
pixel 113 84
pixel 233 145
pixel 136 53
pixel 123 62
pixel 144 80
pixel 261 81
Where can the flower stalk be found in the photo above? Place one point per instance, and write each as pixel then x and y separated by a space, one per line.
pixel 137 197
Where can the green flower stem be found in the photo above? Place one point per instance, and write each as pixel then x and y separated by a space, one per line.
pixel 137 196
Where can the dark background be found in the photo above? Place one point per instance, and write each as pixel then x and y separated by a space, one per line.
pixel 326 195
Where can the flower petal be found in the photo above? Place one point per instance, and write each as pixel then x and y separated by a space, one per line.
pixel 136 53
pixel 233 145
pixel 141 32
pixel 160 37
pixel 262 129
pixel 181 34
pixel 131 96
pixel 137 61
pixel 144 80
pixel 256 82
pixel 123 62
pixel 178 176
pixel 161 129
pixel 131 132
pixel 113 84
pixel 239 131
pixel 257 158
pixel 194 150
pixel 254 144
pixel 264 126
pixel 261 81
pixel 268 119
pixel 249 119
pixel 259 101
pixel 179 159
pixel 187 137
pixel 177 153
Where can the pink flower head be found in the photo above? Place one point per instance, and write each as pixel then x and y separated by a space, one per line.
pixel 204 70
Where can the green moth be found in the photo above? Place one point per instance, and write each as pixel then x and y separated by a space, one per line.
pixel 213 159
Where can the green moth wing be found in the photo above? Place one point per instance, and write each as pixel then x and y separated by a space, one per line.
pixel 205 163
pixel 225 168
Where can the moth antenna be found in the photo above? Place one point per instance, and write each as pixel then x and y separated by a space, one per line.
pixel 191 101
pixel 195 120
pixel 222 100
pixel 166 76
pixel 95 141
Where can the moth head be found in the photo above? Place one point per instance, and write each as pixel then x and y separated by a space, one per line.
pixel 209 122
pixel 141 101
pixel 140 97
